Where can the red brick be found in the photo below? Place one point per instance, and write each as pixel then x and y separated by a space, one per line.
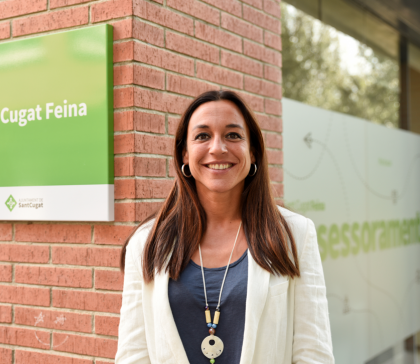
pixel 5 272
pixel 106 325
pixel 272 40
pixel 273 140
pixel 64 277
pixel 256 103
pixel 102 257
pixel 219 75
pixel 218 37
pixel 125 212
pixel 123 51
pixel 111 9
pixel 187 86
pixel 24 253
pixel 123 75
pixel 123 97
pixel 30 357
pixel 160 101
pixel 275 173
pixel 160 15
pixel 192 47
pixel 148 33
pixel 102 361
pixel 124 188
pixel 172 124
pixel 53 319
pixel 262 87
pixel 272 73
pixel 274 156
pixel 242 27
pixel 112 234
pixel 272 107
pixel 24 337
pixel 51 21
pixel 5 232
pixel 6 314
pixel 5 356
pixel 270 123
pixel 255 3
pixel 145 209
pixel 154 123
pixel 231 6
pixel 172 172
pixel 109 279
pixel 124 143
pixel 278 190
pixel 261 19
pixel 273 8
pixel 88 301
pixel 241 63
pixel 160 58
pixel 153 144
pixel 123 29
pixel 124 166
pixel 123 120
pixel 4 34
pixel 61 3
pixel 60 233
pixel 263 54
pixel 25 295
pixel 13 8
pixel 84 345
pixel 196 9
pixel 150 167
pixel 149 77
pixel 153 188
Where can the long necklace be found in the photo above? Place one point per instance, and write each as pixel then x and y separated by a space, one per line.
pixel 212 346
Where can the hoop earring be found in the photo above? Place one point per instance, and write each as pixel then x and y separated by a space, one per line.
pixel 183 172
pixel 255 170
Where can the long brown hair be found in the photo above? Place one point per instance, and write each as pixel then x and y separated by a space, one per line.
pixel 181 221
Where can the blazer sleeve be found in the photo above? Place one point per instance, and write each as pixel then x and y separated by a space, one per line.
pixel 132 345
pixel 312 334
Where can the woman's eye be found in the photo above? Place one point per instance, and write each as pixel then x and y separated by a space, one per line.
pixel 201 136
pixel 233 136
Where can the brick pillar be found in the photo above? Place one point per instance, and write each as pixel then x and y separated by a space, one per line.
pixel 60 290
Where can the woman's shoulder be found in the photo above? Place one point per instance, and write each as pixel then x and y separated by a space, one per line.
pixel 139 238
pixel 299 225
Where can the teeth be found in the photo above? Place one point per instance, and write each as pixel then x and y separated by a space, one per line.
pixel 220 166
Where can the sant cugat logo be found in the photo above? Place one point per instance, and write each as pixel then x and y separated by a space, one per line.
pixel 11 203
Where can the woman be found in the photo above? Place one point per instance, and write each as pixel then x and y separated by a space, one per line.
pixel 221 274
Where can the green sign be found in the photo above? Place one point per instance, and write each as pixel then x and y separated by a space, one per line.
pixel 56 126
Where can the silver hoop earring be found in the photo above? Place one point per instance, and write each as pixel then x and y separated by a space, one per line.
pixel 183 172
pixel 255 170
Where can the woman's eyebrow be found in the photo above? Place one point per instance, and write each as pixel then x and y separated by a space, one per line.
pixel 201 126
pixel 235 126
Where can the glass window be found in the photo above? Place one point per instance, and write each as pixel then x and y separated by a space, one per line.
pixel 348 62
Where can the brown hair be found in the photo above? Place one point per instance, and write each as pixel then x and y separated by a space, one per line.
pixel 181 221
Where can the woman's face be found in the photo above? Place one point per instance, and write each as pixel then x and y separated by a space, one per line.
pixel 218 149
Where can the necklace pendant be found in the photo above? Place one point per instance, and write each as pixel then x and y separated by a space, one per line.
pixel 212 347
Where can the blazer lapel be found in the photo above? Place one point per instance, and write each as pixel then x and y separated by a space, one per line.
pixel 167 322
pixel 258 282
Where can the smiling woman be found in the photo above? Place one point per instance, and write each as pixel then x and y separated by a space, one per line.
pixel 220 217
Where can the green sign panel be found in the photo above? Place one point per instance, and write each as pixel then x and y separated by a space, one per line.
pixel 56 127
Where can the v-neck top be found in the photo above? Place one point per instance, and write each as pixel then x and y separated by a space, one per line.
pixel 186 298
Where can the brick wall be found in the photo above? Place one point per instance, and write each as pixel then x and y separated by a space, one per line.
pixel 60 290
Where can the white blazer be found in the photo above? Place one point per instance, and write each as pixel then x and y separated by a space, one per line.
pixel 286 320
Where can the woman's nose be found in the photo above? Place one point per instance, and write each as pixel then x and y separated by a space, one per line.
pixel 218 145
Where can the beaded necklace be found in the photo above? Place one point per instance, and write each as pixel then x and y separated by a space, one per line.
pixel 212 346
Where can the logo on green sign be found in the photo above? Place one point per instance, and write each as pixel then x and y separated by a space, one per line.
pixel 11 203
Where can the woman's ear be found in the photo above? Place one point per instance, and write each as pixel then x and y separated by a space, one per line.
pixel 185 157
pixel 252 156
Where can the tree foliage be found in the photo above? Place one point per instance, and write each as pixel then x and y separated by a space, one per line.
pixel 314 73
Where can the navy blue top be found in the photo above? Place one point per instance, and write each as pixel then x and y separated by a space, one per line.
pixel 186 298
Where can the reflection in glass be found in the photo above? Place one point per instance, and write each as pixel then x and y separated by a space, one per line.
pixel 325 67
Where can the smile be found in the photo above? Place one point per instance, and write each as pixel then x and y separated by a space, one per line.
pixel 219 166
